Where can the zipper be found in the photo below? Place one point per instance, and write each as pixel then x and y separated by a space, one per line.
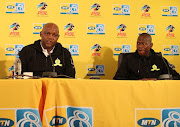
pixel 46 63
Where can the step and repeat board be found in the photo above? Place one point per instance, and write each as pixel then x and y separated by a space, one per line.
pixel 95 32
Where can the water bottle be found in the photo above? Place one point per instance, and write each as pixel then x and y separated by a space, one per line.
pixel 17 67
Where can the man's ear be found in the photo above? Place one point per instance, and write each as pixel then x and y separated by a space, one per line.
pixel 40 34
pixel 151 44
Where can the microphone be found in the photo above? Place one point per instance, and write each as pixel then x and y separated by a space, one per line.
pixel 165 76
pixel 50 74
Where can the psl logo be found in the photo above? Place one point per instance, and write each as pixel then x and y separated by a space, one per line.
pixel 37 27
pixel 170 30
pixel 169 11
pixel 95 49
pixel 28 118
pixel 171 50
pixel 95 70
pixel 117 49
pixel 10 70
pixel 12 49
pixel 119 9
pixel 150 29
pixel 145 9
pixel 121 28
pixel 171 118
pixel 95 8
pixel 14 27
pixel 68 29
pixel 14 7
pixel 41 8
pixel 95 28
pixel 67 8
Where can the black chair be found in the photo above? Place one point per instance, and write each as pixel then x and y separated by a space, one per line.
pixel 122 56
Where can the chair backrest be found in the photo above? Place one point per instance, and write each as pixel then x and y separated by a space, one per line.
pixel 122 56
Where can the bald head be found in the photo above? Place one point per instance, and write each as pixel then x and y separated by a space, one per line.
pixel 146 37
pixel 49 36
pixel 51 26
pixel 144 44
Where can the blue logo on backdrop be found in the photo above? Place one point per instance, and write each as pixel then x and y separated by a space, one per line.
pixel 96 29
pixel 28 118
pixel 18 48
pixel 126 48
pixel 10 49
pixel 13 7
pixel 171 118
pixel 171 50
pixel 100 28
pixel 74 8
pixel 79 117
pixel 151 29
pixel 121 9
pixel 74 50
pixel 144 28
pixel 69 8
pixel 100 70
pixel 169 11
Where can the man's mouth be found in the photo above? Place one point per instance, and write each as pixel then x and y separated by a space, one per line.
pixel 49 42
pixel 140 51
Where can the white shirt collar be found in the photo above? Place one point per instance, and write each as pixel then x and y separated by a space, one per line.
pixel 45 50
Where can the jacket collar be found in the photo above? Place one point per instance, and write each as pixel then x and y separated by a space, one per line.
pixel 152 53
pixel 56 50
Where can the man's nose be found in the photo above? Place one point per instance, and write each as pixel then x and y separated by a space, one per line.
pixel 51 36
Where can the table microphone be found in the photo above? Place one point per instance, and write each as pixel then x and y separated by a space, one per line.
pixel 50 74
pixel 165 76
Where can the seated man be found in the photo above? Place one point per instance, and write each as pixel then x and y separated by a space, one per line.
pixel 144 64
pixel 46 55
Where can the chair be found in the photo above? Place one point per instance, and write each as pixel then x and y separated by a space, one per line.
pixel 122 56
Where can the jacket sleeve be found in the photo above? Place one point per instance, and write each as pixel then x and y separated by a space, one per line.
pixel 172 70
pixel 69 64
pixel 122 72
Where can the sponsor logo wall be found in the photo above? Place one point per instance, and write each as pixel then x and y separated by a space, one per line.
pixel 113 25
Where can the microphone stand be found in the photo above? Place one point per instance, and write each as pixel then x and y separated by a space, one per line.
pixel 50 74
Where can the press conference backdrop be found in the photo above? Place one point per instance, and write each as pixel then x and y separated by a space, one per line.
pixel 94 31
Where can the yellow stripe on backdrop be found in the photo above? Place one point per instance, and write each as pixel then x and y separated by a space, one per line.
pixel 111 14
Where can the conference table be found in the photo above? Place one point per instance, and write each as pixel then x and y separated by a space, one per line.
pixel 62 102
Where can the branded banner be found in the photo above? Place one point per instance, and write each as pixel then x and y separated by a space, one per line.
pixel 94 103
pixel 94 32
pixel 20 106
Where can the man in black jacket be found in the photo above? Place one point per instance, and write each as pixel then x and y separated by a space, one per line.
pixel 144 64
pixel 46 55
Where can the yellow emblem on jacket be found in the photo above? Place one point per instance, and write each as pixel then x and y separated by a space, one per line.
pixel 154 68
pixel 57 62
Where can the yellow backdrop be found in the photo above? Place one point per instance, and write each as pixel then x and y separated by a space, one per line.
pixel 100 30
